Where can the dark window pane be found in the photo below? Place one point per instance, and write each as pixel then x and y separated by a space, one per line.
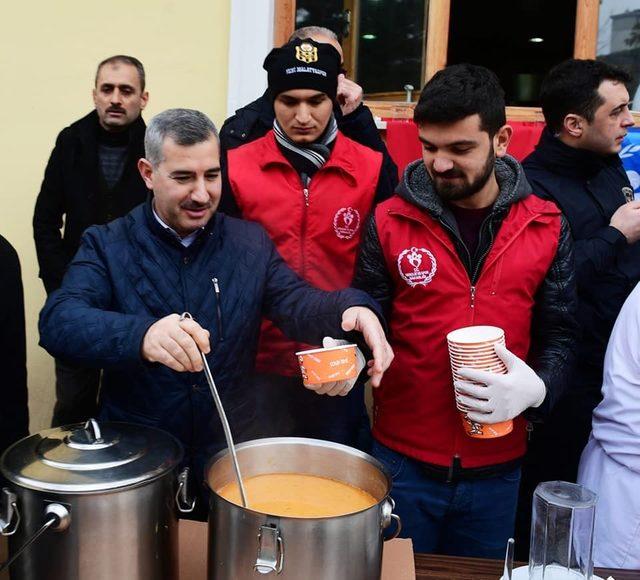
pixel 327 13
pixel 390 44
pixel 520 40
pixel 619 40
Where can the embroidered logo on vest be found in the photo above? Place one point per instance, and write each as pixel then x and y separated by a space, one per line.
pixel 417 266
pixel 346 222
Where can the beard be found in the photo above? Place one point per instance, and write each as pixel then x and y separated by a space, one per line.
pixel 462 188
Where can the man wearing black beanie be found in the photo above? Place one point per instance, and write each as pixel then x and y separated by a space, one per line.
pixel 312 188
pixel 353 117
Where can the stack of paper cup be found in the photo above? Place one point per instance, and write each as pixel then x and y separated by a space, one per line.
pixel 472 347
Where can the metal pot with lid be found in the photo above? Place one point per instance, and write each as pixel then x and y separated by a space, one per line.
pixel 93 501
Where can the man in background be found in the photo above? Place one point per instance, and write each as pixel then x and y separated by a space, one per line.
pixel 353 117
pixel 311 187
pixel 91 178
pixel 576 165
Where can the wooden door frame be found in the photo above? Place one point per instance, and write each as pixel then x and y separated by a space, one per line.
pixel 585 40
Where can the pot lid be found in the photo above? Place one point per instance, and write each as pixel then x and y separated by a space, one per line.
pixel 90 458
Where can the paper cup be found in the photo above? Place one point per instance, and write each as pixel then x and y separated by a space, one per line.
pixel 473 335
pixel 327 365
pixel 473 347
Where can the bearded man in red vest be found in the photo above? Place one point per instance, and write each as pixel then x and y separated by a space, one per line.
pixel 491 253
pixel 312 189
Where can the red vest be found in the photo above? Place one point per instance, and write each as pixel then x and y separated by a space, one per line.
pixel 414 409
pixel 316 230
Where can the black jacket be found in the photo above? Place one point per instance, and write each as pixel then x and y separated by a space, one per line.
pixel 588 190
pixel 554 329
pixel 14 414
pixel 256 119
pixel 72 190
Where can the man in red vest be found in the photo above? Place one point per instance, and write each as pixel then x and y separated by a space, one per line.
pixel 312 189
pixel 483 251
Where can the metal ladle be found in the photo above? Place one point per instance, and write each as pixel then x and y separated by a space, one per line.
pixel 223 418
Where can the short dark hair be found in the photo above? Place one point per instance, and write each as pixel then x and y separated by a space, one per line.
pixel 124 59
pixel 572 87
pixel 460 91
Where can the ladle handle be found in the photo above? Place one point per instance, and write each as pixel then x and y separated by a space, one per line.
pixel 223 418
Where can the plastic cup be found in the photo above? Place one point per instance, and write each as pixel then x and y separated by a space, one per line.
pixel 327 365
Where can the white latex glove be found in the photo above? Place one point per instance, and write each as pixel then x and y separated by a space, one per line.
pixel 504 396
pixel 340 388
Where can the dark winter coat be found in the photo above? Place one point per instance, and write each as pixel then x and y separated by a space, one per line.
pixel 131 272
pixel 588 189
pixel 72 192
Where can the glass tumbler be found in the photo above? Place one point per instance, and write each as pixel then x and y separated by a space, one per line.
pixel 562 532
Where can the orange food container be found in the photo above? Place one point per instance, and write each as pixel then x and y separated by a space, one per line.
pixel 326 365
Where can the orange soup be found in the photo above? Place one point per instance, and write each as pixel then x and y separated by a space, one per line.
pixel 298 495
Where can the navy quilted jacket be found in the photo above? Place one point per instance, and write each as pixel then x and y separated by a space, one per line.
pixel 131 272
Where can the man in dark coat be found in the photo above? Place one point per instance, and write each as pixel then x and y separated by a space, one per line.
pixel 14 413
pixel 576 164
pixel 120 302
pixel 353 117
pixel 91 178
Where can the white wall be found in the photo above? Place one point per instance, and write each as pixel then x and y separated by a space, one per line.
pixel 250 40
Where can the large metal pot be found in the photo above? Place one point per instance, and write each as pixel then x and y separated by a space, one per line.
pixel 245 544
pixel 93 502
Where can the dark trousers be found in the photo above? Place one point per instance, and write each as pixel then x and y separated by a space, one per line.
pixel 76 394
pixel 473 518
pixel 287 409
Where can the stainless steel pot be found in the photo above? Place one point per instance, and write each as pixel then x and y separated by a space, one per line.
pixel 93 502
pixel 245 544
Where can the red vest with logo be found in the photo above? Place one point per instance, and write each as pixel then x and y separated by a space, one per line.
pixel 414 409
pixel 316 229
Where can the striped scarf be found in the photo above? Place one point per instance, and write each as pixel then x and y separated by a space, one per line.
pixel 307 159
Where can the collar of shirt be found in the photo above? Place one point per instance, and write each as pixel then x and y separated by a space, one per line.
pixel 187 240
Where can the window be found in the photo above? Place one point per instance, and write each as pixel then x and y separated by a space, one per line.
pixel 519 40
pixel 619 40
pixel 392 43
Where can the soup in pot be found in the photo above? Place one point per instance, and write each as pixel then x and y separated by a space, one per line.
pixel 299 495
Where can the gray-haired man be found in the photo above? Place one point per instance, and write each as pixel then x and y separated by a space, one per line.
pixel 120 302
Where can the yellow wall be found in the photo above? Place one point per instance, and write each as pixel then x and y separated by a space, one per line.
pixel 48 54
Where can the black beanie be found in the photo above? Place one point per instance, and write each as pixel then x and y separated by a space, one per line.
pixel 303 64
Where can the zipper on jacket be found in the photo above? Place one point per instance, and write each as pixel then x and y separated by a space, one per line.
pixel 216 289
pixel 529 428
pixel 303 227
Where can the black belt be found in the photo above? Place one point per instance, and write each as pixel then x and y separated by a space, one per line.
pixel 455 472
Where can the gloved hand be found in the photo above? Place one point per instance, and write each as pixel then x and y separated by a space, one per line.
pixel 340 388
pixel 504 396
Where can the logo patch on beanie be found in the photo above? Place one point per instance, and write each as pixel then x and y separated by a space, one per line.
pixel 307 53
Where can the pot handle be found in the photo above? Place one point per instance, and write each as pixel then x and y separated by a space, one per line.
pixel 8 512
pixel 183 502
pixel 270 550
pixel 57 517
pixel 387 515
